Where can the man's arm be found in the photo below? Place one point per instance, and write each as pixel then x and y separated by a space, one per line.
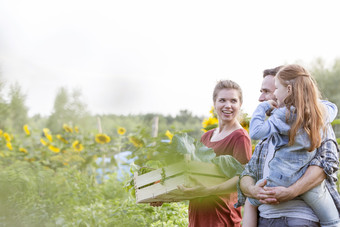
pixel 312 177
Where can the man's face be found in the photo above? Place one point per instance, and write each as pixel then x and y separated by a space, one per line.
pixel 267 89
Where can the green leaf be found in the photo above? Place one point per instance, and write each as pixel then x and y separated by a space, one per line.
pixel 228 165
pixel 183 143
pixel 203 153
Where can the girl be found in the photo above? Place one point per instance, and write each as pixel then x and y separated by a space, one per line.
pixel 294 130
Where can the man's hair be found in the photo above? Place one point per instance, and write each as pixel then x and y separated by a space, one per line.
pixel 271 72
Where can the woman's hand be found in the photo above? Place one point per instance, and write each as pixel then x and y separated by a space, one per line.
pixel 156 204
pixel 199 190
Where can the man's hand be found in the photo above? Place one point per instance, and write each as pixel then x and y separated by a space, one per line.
pixel 281 194
pixel 257 191
pixel 263 194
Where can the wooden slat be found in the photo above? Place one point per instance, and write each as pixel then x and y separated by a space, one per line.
pixel 155 175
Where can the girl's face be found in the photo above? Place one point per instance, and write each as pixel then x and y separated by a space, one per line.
pixel 227 105
pixel 280 92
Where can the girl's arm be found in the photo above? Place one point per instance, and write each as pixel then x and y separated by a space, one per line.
pixel 249 215
pixel 261 128
pixel 332 110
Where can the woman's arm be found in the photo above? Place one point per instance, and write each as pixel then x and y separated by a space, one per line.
pixel 200 190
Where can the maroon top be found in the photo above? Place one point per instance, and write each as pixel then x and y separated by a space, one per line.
pixel 216 211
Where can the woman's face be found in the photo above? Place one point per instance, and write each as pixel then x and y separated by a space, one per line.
pixel 280 92
pixel 227 105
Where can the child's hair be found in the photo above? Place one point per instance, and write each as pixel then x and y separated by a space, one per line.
pixel 305 98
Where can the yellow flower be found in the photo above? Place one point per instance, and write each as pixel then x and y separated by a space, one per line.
pixel 121 131
pixel 76 129
pixel 62 139
pixel 102 138
pixel 135 141
pixel 23 150
pixel 1 132
pixel 54 149
pixel 47 134
pixel 43 142
pixel 209 121
pixel 9 146
pixel 7 137
pixel 77 146
pixel 169 134
pixel 67 128
pixel 212 112
pixel 27 131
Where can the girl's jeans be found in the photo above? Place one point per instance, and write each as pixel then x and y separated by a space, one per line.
pixel 320 200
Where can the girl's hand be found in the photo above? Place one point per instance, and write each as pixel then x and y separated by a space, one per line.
pixel 273 104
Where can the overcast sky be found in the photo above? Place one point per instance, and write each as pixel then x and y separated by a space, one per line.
pixel 157 56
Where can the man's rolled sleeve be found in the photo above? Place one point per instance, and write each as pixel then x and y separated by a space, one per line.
pixel 327 158
pixel 248 171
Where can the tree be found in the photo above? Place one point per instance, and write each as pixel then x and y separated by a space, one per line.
pixel 68 108
pixel 17 110
pixel 328 80
pixel 3 105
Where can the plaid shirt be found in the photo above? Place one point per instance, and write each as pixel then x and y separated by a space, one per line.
pixel 326 157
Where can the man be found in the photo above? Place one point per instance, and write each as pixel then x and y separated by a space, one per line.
pixel 281 207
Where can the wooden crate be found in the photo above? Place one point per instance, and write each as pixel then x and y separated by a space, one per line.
pixel 150 189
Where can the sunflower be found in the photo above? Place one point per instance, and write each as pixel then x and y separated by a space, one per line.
pixel 54 149
pixel 77 146
pixel 169 134
pixel 121 131
pixel 9 146
pixel 136 142
pixel 7 137
pixel 43 142
pixel 27 131
pixel 102 138
pixel 1 132
pixel 62 139
pixel 23 150
pixel 209 123
pixel 67 128
pixel 76 129
pixel 47 134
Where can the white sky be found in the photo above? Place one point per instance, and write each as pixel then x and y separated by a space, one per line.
pixel 157 56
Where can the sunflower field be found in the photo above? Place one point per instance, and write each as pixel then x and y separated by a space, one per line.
pixel 84 178
pixel 71 179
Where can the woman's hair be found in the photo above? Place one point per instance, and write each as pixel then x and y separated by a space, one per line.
pixel 227 84
pixel 304 97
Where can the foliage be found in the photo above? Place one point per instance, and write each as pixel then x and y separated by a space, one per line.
pixel 328 80
pixel 68 108
pixel 59 186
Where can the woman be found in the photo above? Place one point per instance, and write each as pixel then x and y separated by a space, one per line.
pixel 214 206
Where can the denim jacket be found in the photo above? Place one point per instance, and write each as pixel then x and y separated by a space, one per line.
pixel 326 157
